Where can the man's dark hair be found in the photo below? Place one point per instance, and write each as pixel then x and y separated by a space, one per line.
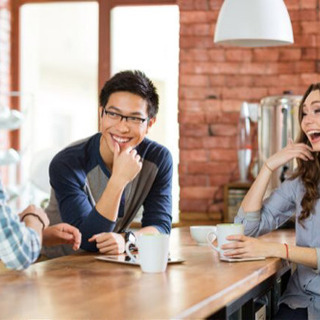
pixel 135 82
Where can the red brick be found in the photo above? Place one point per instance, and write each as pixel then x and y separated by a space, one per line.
pixel 254 68
pixel 210 168
pixel 294 15
pixel 194 80
pixel 197 93
pixel 217 55
pixel 219 179
pixel 188 180
pixel 193 156
pixel 291 54
pixel 305 40
pixel 219 142
pixel 296 27
pixel 201 5
pixel 266 80
pixel 190 105
pixel 197 205
pixel 243 93
pixel 305 67
pixel 194 55
pixel 223 130
pixel 191 117
pixel 185 5
pixel 279 90
pixel 239 55
pixel 209 68
pixel 183 169
pixel 224 155
pixel 292 4
pixel 289 80
pixel 285 67
pixel 308 4
pixel 231 105
pixel 223 117
pixel 239 80
pixel 308 14
pixel 197 192
pixel 265 54
pixel 195 29
pixel 198 16
pixel 308 78
pixel 308 53
pixel 309 27
pixel 194 130
pixel 211 105
pixel 215 4
pixel 186 143
pixel 196 42
pixel 217 80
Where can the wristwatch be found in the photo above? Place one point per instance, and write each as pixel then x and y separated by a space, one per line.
pixel 129 236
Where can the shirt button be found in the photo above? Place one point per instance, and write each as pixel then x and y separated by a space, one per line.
pixel 310 299
pixel 304 285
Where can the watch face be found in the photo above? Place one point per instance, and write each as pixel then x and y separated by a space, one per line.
pixel 130 237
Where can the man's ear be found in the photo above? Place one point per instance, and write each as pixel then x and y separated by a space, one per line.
pixel 151 122
pixel 101 111
pixel 100 115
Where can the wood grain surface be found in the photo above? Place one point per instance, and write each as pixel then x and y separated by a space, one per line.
pixel 79 286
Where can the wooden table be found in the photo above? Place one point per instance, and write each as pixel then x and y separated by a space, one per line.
pixel 80 286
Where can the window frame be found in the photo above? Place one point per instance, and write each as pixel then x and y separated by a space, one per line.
pixel 104 42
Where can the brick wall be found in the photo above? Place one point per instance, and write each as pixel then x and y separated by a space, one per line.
pixel 4 71
pixel 214 81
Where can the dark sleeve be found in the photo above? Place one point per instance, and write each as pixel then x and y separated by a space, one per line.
pixel 158 204
pixel 75 207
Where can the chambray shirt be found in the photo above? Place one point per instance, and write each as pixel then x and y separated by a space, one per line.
pixel 19 245
pixel 303 290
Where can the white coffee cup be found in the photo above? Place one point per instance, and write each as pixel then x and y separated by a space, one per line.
pixel 153 252
pixel 199 234
pixel 223 231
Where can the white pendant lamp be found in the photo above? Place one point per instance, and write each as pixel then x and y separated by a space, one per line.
pixel 253 23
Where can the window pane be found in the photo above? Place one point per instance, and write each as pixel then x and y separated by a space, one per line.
pixel 147 38
pixel 59 67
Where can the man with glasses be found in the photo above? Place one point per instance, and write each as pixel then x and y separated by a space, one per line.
pixel 100 183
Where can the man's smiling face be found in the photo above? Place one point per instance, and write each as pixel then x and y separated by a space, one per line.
pixel 125 132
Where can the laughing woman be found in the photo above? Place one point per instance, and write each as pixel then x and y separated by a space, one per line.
pixel 298 195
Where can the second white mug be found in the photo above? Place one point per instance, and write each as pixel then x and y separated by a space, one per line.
pixel 223 231
pixel 153 252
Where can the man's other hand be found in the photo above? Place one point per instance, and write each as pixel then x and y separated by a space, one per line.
pixel 109 242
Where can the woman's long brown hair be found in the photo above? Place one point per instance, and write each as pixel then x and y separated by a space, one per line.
pixel 308 171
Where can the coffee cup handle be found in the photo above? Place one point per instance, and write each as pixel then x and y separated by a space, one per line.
pixel 132 257
pixel 209 240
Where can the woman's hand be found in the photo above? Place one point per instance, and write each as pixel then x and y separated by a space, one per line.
pixel 248 247
pixel 290 152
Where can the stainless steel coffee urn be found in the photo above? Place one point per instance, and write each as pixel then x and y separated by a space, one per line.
pixel 277 122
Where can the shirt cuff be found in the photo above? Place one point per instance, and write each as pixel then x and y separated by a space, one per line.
pixel 318 260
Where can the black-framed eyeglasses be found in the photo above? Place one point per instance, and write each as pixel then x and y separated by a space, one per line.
pixel 118 117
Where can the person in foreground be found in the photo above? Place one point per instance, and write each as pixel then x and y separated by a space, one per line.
pixel 298 195
pixel 100 183
pixel 21 235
